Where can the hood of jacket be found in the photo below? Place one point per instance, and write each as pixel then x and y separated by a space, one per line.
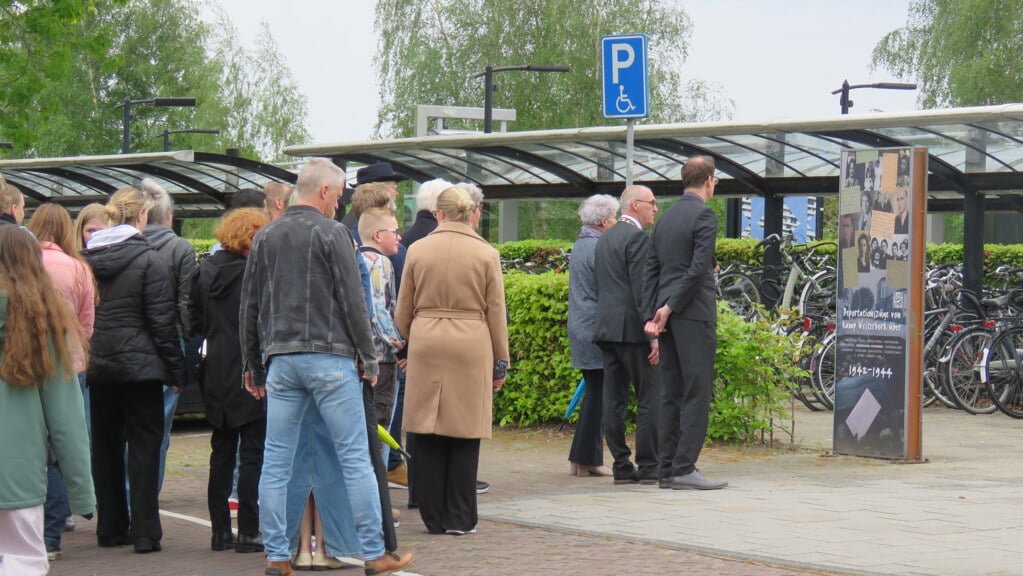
pixel 159 236
pixel 228 270
pixel 109 260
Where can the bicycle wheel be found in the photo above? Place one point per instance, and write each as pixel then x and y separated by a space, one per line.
pixel 1000 372
pixel 802 387
pixel 959 371
pixel 740 292
pixel 820 295
pixel 824 372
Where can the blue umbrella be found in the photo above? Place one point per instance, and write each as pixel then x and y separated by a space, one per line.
pixel 580 389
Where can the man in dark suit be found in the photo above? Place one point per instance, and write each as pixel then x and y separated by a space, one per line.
pixel 626 282
pixel 686 323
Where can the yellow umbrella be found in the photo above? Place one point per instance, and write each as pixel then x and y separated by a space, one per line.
pixel 386 438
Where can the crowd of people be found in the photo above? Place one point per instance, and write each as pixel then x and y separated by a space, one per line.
pixel 298 332
pixel 308 336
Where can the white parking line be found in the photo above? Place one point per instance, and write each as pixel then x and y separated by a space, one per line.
pixel 208 524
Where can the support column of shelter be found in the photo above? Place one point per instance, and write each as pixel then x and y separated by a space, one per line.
pixel 774 211
pixel 973 220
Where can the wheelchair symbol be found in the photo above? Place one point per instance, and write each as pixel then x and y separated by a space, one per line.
pixel 623 104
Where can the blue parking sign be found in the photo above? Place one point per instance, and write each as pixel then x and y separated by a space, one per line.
pixel 626 89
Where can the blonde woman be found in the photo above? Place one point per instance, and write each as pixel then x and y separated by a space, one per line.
pixel 451 310
pixel 134 350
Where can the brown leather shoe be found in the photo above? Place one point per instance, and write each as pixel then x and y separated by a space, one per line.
pixel 282 568
pixel 389 562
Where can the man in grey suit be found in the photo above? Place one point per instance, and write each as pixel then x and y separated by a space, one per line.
pixel 626 281
pixel 686 323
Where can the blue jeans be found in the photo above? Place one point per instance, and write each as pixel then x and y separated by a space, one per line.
pixel 170 404
pixel 318 470
pixel 296 385
pixel 55 510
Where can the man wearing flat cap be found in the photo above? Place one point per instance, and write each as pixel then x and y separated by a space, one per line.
pixel 378 172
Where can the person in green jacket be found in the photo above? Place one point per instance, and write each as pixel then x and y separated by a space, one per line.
pixel 40 404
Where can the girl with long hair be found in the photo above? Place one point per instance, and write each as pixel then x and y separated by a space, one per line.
pixel 40 403
pixel 134 350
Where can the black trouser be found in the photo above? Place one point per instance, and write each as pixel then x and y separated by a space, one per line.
pixel 394 459
pixel 687 378
pixel 626 367
pixel 588 442
pixel 379 468
pixel 132 412
pixel 226 446
pixel 445 477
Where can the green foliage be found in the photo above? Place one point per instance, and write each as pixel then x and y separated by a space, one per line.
pixel 753 369
pixel 962 52
pixel 202 246
pixel 66 66
pixel 428 53
pixel 542 380
pixel 536 251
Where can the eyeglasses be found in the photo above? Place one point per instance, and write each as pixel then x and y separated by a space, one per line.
pixel 391 230
pixel 650 202
pixel 716 179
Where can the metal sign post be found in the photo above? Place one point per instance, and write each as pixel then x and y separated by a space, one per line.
pixel 626 92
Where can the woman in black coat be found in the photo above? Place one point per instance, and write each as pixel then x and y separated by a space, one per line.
pixel 234 414
pixel 135 348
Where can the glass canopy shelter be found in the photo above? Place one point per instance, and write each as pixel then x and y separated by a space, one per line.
pixel 975 157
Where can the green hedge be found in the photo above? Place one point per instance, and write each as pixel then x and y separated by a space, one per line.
pixel 536 251
pixel 542 380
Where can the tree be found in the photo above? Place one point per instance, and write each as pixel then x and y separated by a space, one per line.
pixel 67 66
pixel 428 53
pixel 961 52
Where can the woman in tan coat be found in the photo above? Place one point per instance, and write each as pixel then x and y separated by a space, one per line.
pixel 451 310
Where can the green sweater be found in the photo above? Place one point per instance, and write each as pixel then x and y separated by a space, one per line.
pixel 28 416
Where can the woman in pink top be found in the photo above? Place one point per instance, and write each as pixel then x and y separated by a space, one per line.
pixel 52 226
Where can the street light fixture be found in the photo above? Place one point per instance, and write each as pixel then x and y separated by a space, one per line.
pixel 169 101
pixel 846 103
pixel 488 88
pixel 166 134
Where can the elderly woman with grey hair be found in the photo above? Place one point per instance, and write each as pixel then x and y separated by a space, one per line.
pixel 587 453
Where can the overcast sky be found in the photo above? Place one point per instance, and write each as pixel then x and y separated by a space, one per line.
pixel 774 58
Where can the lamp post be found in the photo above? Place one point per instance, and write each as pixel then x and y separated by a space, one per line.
pixel 166 134
pixel 846 103
pixel 158 101
pixel 488 86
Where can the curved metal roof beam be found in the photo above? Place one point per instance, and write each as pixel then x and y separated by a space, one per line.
pixel 559 170
pixel 726 165
pixel 623 156
pixel 403 168
pixel 583 158
pixel 186 182
pixel 767 156
pixel 268 170
pixel 802 149
pixel 965 144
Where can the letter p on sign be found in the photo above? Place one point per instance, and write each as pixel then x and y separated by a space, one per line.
pixel 622 56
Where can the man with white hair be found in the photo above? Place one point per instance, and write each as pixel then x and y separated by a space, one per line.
pixel 180 257
pixel 305 331
pixel 426 205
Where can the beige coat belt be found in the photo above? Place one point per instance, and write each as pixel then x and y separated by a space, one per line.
pixel 452 314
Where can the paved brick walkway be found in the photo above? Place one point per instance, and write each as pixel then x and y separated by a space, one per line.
pixel 786 512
